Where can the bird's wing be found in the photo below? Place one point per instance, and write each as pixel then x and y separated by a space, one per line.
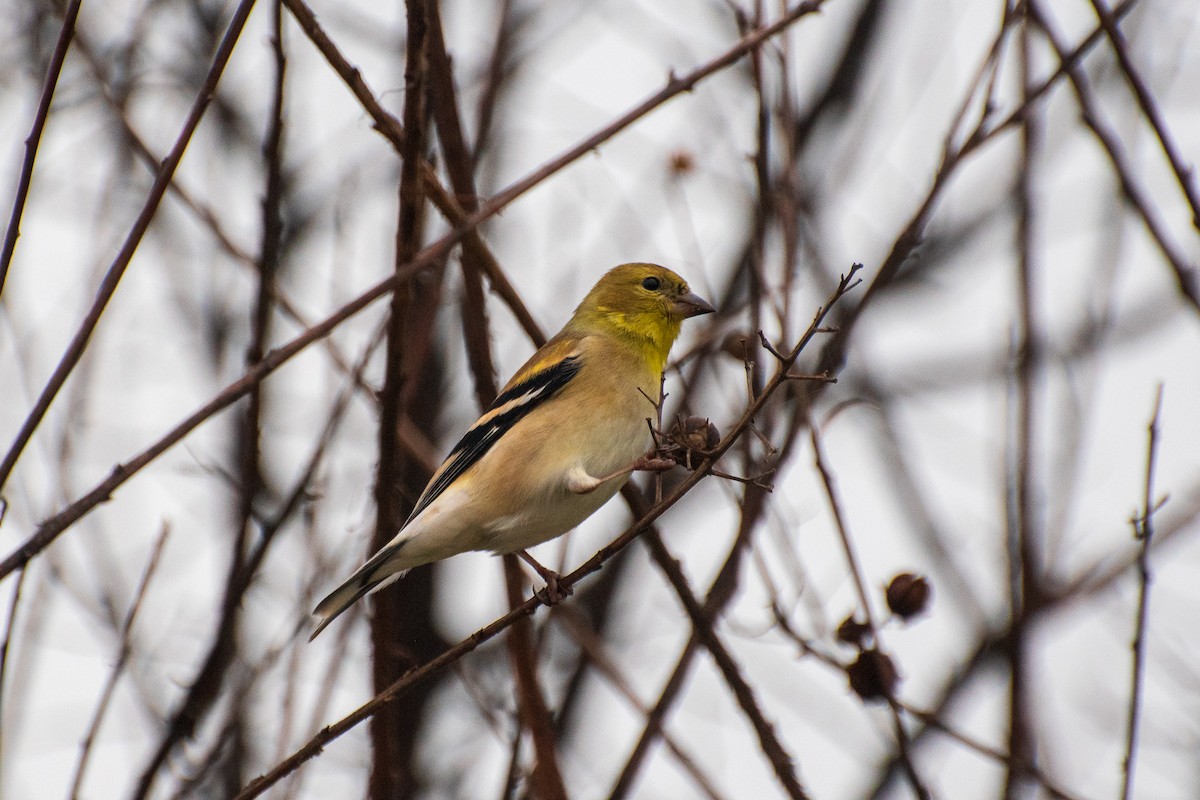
pixel 542 377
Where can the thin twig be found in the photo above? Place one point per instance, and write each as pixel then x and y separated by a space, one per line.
pixel 860 585
pixel 954 156
pixel 1150 108
pixel 124 650
pixel 1143 532
pixel 53 70
pixel 9 626
pixel 723 588
pixel 702 627
pixel 108 286
pixel 720 593
pixel 928 718
pixel 1187 277
pixel 401 623
pixel 576 626
pixel 205 214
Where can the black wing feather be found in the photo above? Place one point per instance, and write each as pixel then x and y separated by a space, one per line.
pixel 476 442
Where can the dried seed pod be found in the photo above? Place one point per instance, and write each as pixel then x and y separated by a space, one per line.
pixel 873 676
pixel 851 631
pixel 691 440
pixel 908 595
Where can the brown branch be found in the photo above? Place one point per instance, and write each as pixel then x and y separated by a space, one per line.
pixel 546 782
pixel 1024 540
pixel 210 680
pixel 205 214
pixel 497 72
pixel 860 586
pixel 954 155
pixel 1072 59
pixel 1146 101
pixel 1186 276
pixel 545 779
pixel 702 628
pixel 453 654
pixel 49 530
pixel 1143 531
pixel 461 168
pixel 1001 758
pixel 393 131
pixel 108 285
pixel 124 651
pixel 719 595
pixel 1091 583
pixel 576 626
pixel 928 718
pixel 401 622
pixel 53 70
pixel 10 621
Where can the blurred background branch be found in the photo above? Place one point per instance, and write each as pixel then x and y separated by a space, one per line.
pixel 205 189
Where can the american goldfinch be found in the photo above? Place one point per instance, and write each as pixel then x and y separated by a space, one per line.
pixel 559 441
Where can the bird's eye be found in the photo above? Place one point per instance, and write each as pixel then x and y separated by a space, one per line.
pixel 651 283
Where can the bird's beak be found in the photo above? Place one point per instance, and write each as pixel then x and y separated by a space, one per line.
pixel 692 305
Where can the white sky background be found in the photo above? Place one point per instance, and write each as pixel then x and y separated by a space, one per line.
pixel 936 351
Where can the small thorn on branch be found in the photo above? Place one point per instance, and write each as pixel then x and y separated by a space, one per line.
pixel 762 437
pixel 821 377
pixel 757 480
pixel 854 268
pixel 656 403
pixel 762 337
pixel 1140 521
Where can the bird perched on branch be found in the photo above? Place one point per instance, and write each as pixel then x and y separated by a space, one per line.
pixel 560 440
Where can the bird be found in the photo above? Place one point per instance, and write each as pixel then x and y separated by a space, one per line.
pixel 559 441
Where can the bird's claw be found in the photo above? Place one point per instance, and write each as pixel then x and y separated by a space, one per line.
pixel 555 591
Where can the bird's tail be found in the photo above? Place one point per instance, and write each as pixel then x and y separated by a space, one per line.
pixel 370 576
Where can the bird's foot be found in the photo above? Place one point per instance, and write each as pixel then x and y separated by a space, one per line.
pixel 580 482
pixel 555 591
pixel 653 463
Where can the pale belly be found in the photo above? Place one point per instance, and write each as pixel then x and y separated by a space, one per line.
pixel 513 500
pixel 552 509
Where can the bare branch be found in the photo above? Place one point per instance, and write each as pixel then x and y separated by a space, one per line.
pixel 53 70
pixel 1143 531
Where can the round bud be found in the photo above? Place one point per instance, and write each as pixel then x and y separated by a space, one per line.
pixel 873 676
pixel 851 631
pixel 908 595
